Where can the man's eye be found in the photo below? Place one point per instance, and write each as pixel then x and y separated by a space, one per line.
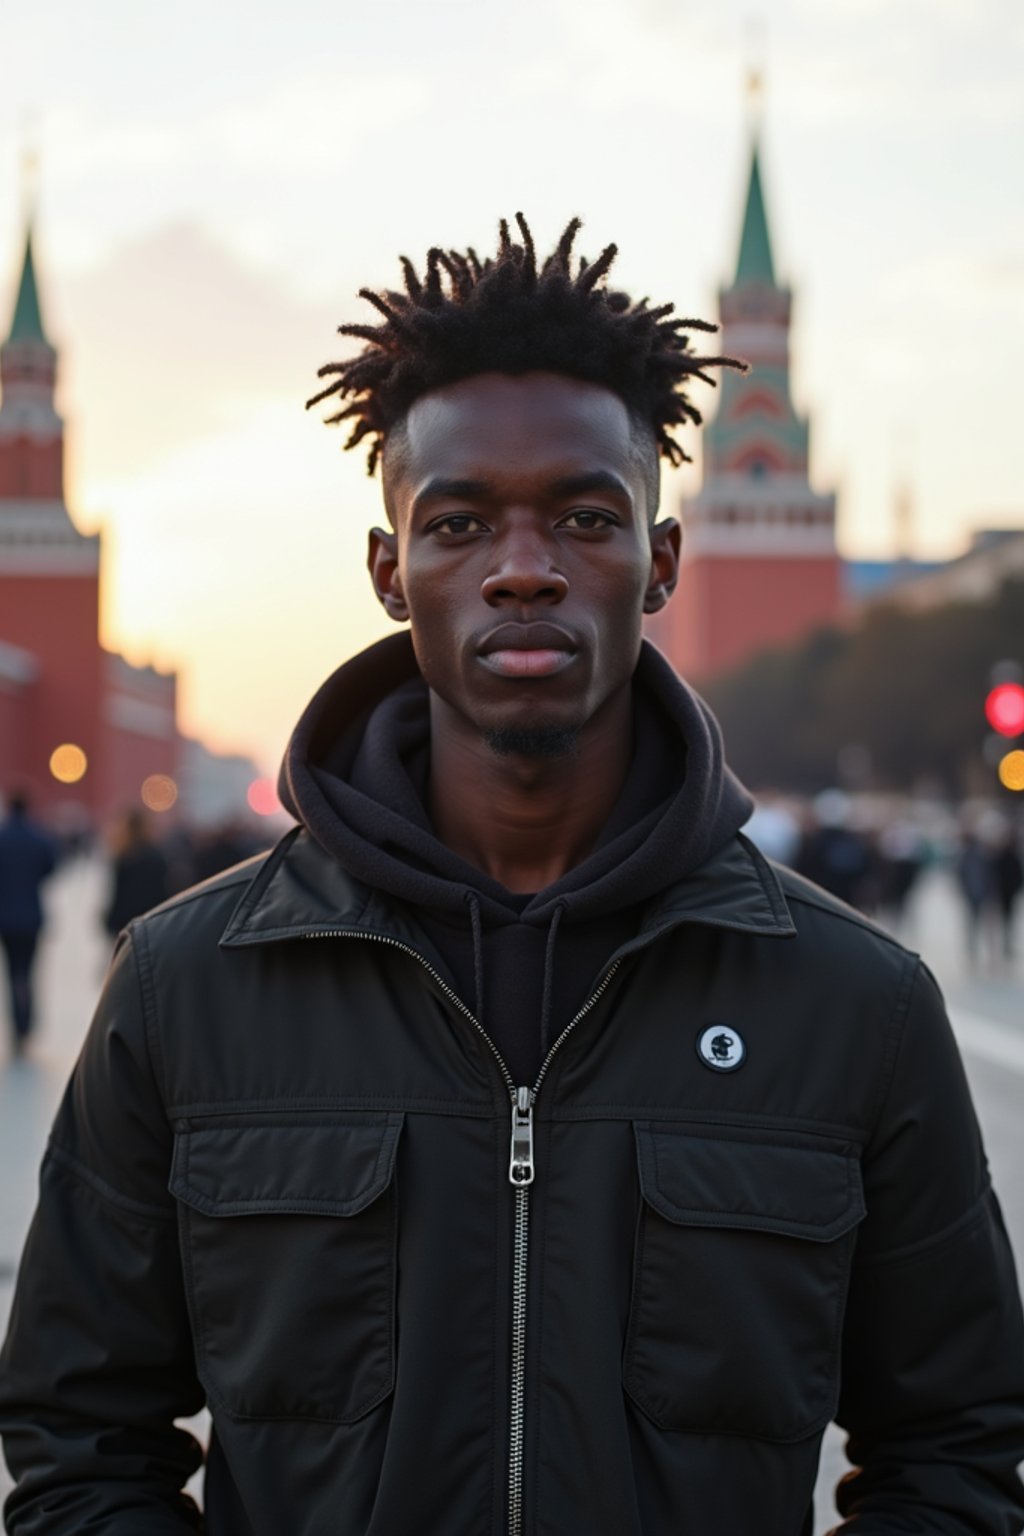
pixel 588 519
pixel 457 523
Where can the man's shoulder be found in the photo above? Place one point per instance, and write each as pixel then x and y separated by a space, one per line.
pixel 839 936
pixel 777 901
pixel 805 894
pixel 18 830
pixel 203 910
pixel 279 893
pixel 21 838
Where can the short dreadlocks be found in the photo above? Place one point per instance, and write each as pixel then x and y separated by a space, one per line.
pixel 507 314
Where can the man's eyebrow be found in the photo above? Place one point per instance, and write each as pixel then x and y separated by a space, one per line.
pixel 565 485
pixel 435 490
pixel 592 480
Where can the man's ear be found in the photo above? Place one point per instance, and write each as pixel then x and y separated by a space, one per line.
pixel 666 542
pixel 382 563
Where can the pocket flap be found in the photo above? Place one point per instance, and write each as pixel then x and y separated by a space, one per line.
pixel 708 1181
pixel 298 1167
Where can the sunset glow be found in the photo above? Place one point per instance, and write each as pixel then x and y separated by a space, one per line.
pixel 203 230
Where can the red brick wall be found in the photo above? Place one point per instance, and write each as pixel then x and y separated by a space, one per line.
pixel 144 700
pixel 727 609
pixel 12 732
pixel 56 620
pixel 31 470
pixel 129 759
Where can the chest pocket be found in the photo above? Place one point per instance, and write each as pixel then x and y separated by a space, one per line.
pixel 288 1231
pixel 739 1287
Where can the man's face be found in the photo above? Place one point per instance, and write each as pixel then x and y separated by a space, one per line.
pixel 522 553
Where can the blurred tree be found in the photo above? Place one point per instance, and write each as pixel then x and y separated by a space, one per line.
pixel 901 695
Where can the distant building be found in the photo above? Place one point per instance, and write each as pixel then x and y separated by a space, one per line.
pixel 215 785
pixel 873 581
pixel 995 555
pixel 869 581
pixel 760 565
pixel 79 726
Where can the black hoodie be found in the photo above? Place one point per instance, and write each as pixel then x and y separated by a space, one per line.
pixel 356 774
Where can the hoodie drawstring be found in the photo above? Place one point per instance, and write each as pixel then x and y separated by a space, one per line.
pixel 473 903
pixel 549 967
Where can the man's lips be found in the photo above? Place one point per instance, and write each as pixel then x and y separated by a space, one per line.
pixel 527 650
pixel 538 663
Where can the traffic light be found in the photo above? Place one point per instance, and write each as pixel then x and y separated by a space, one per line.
pixel 1004 711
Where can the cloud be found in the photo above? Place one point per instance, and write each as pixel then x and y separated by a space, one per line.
pixel 173 337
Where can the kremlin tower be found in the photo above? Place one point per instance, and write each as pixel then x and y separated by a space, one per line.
pixel 80 727
pixel 760 566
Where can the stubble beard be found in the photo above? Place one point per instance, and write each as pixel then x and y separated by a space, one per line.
pixel 541 742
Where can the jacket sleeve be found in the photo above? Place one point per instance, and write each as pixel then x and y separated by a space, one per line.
pixel 933 1350
pixel 98 1359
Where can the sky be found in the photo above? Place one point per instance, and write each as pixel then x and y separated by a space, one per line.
pixel 217 181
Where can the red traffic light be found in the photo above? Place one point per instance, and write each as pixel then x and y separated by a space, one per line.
pixel 262 797
pixel 1004 709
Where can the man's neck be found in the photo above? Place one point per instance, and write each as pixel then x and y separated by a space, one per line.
pixel 526 820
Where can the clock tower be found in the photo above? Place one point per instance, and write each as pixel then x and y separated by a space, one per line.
pixel 760 566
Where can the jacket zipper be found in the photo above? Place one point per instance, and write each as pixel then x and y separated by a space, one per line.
pixel 521 1173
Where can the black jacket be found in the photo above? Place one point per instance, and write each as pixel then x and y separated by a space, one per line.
pixel 288 1179
pixel 280 1181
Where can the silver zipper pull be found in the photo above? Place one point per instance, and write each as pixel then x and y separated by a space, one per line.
pixel 520 1168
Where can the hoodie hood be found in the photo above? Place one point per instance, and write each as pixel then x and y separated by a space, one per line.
pixel 356 770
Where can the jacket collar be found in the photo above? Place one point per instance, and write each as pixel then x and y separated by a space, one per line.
pixel 300 890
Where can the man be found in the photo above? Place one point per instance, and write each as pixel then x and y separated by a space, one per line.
pixel 514 1150
pixel 27 859
pixel 139 871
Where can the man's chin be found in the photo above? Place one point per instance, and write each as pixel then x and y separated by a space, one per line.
pixel 533 741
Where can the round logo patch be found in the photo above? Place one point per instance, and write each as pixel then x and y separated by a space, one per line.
pixel 721 1047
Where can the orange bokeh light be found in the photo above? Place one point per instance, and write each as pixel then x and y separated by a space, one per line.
pixel 1011 771
pixel 159 792
pixel 68 763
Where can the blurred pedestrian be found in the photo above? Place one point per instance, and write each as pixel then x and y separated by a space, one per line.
pixel 901 855
pixel 179 849
pixel 223 846
pixel 27 856
pixel 832 853
pixel 977 886
pixel 774 828
pixel 140 874
pixel 1007 880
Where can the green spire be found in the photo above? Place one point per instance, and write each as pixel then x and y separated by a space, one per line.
pixel 755 259
pixel 27 324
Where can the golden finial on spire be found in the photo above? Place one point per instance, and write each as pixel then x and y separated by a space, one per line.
pixel 754 80
pixel 29 166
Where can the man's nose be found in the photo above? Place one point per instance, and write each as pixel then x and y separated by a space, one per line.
pixel 524 571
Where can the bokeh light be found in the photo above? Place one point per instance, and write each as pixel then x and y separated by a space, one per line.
pixel 262 797
pixel 68 763
pixel 1011 771
pixel 1004 709
pixel 159 792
